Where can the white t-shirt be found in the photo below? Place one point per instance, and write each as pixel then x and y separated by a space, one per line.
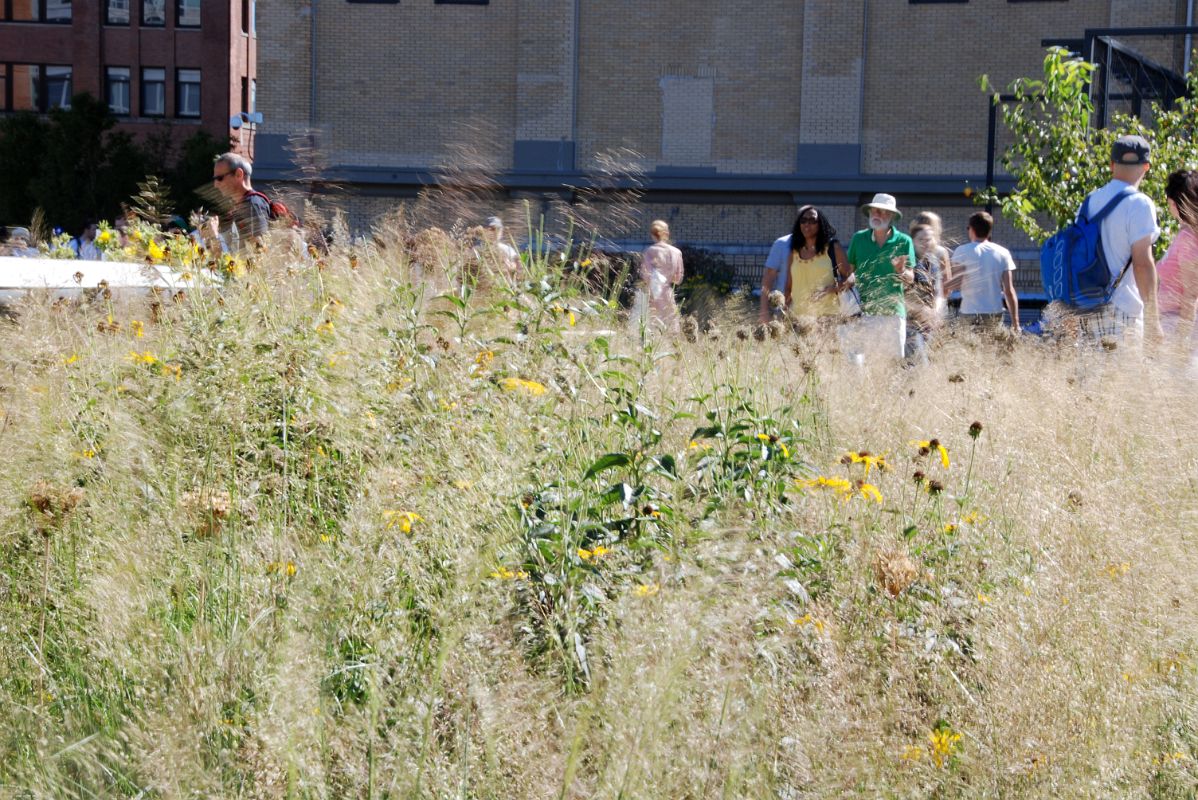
pixel 982 265
pixel 779 259
pixel 1132 220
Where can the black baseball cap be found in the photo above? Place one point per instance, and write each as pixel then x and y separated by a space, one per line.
pixel 1130 150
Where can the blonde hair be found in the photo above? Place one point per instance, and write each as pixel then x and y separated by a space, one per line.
pixel 659 230
pixel 928 219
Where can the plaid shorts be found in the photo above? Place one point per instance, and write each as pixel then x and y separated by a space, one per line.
pixel 1109 321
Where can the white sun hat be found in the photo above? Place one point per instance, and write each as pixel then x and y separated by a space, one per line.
pixel 883 202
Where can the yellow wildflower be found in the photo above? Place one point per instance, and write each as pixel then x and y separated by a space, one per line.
pixel 912 753
pixel 929 445
pixel 521 384
pixel 136 236
pixel 595 552
pixel 944 744
pixel 505 574
pixel 983 598
pixel 138 328
pixel 698 445
pixel 463 485
pixel 147 357
pixel 1115 570
pixel 484 358
pixel 869 460
pixel 586 262
pixel 172 369
pixel 156 252
pixel 839 485
pixel 648 589
pixel 287 568
pixel 807 619
pixel 71 359
pixel 88 453
pixel 973 518
pixel 326 538
pixel 950 529
pixel 404 520
pixel 325 327
pixel 104 237
pixel 869 492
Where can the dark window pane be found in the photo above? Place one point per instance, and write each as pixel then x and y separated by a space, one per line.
pixel 3 87
pixel 188 13
pixel 187 95
pixel 58 87
pixel 153 12
pixel 153 92
pixel 58 10
pixel 117 12
pixel 118 90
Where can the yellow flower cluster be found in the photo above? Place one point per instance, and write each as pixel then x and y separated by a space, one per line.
pixel 522 385
pixel 807 619
pixel 404 520
pixel 597 551
pixel 147 358
pixel 869 460
pixel 281 568
pixel 648 589
pixel 505 574
pixel 944 744
pixel 844 488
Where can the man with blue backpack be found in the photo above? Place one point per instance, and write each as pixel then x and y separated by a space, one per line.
pixel 1085 266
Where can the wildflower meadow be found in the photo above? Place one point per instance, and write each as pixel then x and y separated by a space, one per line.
pixel 374 523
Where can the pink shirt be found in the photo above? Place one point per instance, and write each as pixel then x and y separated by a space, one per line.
pixel 1176 270
pixel 664 259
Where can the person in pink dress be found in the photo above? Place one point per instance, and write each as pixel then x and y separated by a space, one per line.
pixel 661 271
pixel 1178 270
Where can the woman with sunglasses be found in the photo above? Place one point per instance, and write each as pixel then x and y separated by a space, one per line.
pixel 818 267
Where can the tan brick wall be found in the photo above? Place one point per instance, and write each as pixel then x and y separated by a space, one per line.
pixel 924 113
pixel 750 53
pixel 832 65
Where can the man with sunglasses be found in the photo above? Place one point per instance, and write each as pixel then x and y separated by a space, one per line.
pixel 246 213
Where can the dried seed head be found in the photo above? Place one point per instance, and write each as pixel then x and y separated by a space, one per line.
pixel 894 571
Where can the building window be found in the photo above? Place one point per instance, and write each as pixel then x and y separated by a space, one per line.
pixel 187 13
pixel 57 11
pixel 26 87
pixel 58 87
pixel 153 92
pixel 253 95
pixel 187 93
pixel 116 12
pixel 153 13
pixel 116 81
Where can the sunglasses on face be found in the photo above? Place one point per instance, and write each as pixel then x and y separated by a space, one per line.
pixel 221 177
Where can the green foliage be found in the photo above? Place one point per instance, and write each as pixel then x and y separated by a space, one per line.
pixel 1058 157
pixel 74 166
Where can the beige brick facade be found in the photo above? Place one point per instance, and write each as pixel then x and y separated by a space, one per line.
pixel 730 114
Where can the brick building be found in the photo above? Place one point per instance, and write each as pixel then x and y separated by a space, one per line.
pixel 727 115
pixel 182 65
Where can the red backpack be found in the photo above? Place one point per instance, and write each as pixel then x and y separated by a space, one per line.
pixel 278 210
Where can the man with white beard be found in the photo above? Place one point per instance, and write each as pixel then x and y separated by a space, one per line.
pixel 882 260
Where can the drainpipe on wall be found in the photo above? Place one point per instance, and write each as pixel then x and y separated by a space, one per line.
pixel 574 88
pixel 1189 38
pixel 312 64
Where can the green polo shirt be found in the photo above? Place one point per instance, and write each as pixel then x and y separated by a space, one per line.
pixel 879 285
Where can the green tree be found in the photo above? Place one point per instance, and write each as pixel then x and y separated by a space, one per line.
pixel 1058 156
pixel 22 142
pixel 75 179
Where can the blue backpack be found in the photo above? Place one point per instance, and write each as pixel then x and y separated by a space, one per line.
pixel 1073 267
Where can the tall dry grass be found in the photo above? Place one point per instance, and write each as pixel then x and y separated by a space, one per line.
pixel 331 534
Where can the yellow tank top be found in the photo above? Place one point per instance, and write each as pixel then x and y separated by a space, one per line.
pixel 808 276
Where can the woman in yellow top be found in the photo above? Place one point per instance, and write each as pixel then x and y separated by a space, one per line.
pixel 818 267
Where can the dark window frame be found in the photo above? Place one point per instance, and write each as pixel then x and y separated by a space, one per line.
pixel 109 82
pixel 180 83
pixel 108 18
pixel 142 83
pixel 142 17
pixel 41 88
pixel 41 18
pixel 937 2
pixel 375 2
pixel 179 17
pixel 461 2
